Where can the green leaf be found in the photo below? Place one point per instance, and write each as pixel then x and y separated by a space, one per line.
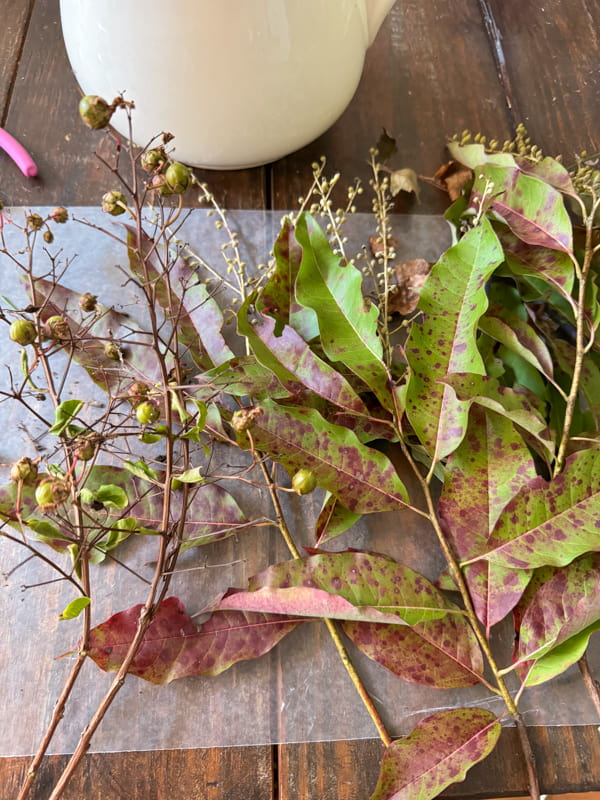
pixel 551 522
pixel 141 470
pixel 74 608
pixel 443 341
pixel 194 475
pixel 333 520
pixel 347 321
pixel 63 415
pixel 349 585
pixel 474 156
pixel 533 210
pixel 240 377
pixel 559 620
pixel 111 496
pixel 363 478
pixel 439 752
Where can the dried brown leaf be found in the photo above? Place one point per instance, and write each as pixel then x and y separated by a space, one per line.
pixel 410 277
pixel 453 176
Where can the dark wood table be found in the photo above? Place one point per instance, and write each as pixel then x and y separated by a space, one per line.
pixel 436 68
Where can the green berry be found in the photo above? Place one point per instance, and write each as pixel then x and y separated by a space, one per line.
pixel 114 203
pixel 95 111
pixel 50 493
pixel 147 412
pixel 178 177
pixel 22 331
pixel 304 481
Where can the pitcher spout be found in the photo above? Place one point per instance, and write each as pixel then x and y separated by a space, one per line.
pixel 377 10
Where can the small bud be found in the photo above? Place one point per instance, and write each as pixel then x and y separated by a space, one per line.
pixel 178 177
pixel 24 471
pixel 95 111
pixel 59 214
pixel 151 160
pixel 57 328
pixel 112 351
pixel 22 331
pixel 114 203
pixel 34 222
pixel 48 236
pixel 88 302
pixel 147 412
pixel 304 481
pixel 50 493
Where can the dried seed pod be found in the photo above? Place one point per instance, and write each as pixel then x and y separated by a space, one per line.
pixel 24 471
pixel 88 302
pixel 114 203
pixel 95 111
pixel 57 328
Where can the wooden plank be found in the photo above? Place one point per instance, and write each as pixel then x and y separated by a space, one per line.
pixel 568 759
pixel 12 34
pixel 43 114
pixel 551 53
pixel 243 773
pixel 429 74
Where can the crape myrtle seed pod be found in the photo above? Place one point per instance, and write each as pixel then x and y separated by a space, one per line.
pixel 51 492
pixel 59 214
pixel 112 351
pixel 22 331
pixel 34 222
pixel 24 471
pixel 95 111
pixel 57 328
pixel 160 185
pixel 304 481
pixel 147 412
pixel 48 237
pixel 152 159
pixel 113 203
pixel 137 392
pixel 88 302
pixel 177 177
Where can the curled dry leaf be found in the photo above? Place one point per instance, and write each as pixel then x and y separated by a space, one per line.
pixel 404 180
pixel 410 277
pixel 453 177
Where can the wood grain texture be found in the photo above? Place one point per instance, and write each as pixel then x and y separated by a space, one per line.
pixel 12 35
pixel 229 774
pixel 43 114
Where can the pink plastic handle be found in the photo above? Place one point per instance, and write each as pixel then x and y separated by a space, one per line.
pixel 18 154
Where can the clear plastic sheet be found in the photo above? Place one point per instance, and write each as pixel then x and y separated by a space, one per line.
pixel 297 692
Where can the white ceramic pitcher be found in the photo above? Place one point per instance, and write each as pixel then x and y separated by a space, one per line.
pixel 238 82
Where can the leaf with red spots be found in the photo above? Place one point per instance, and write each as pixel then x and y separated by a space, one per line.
pixel 439 752
pixel 533 210
pixel 555 267
pixel 364 479
pixel 239 377
pixel 349 585
pixel 443 341
pixel 518 404
pixel 347 322
pixel 174 647
pixel 483 474
pixel 288 356
pixel 551 522
pixel 442 653
pixel 559 620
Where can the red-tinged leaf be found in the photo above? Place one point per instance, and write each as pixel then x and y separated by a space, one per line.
pixel 441 653
pixel 518 404
pixel 519 336
pixel 548 170
pixel 347 322
pixel 278 298
pixel 288 356
pixel 551 522
pixel 444 340
pixel 589 381
pixel 483 474
pixel 363 478
pixel 240 377
pixel 206 318
pixel 561 617
pixel 213 514
pixel 349 585
pixel 333 520
pixel 439 752
pixel 533 210
pixel 174 647
pixel 555 267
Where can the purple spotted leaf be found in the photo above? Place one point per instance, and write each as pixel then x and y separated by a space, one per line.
pixel 194 312
pixel 87 347
pixel 364 479
pixel 485 472
pixel 439 752
pixel 551 522
pixel 349 585
pixel 589 381
pixel 518 335
pixel 347 321
pixel 533 210
pixel 174 647
pixel 333 520
pixel 518 404
pixel 443 341
pixel 288 356
pixel 441 653
pixel 239 377
pixel 560 618
pixel 548 170
pixel 213 514
pixel 555 267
